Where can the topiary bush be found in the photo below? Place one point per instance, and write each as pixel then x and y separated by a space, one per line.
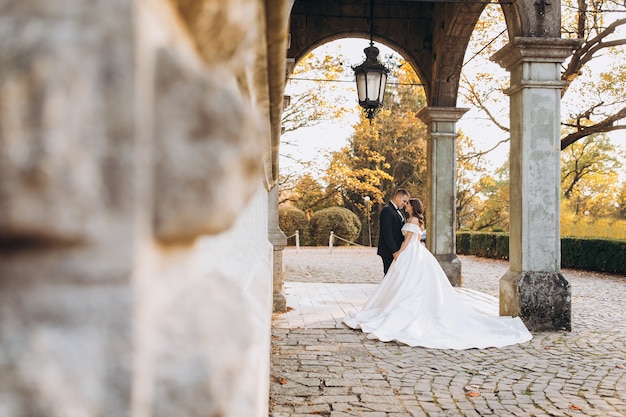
pixel 340 220
pixel 291 219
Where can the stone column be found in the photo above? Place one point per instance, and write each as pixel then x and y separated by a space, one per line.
pixel 66 208
pixel 533 288
pixel 441 187
pixel 279 241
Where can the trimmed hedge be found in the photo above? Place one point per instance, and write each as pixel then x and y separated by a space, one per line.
pixel 486 245
pixel 291 219
pixel 591 254
pixel 603 255
pixel 340 220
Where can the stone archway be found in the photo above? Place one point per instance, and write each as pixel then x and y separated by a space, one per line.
pixel 432 36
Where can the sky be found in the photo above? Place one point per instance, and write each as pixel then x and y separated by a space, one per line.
pixel 315 143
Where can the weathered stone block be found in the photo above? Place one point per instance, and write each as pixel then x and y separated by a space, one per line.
pixel 63 146
pixel 66 350
pixel 208 156
pixel 541 299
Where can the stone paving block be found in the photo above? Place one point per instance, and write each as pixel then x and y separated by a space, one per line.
pixel 416 411
pixel 299 391
pixel 305 415
pixel 388 399
pixel 323 370
pixel 337 391
pixel 307 382
pixel 431 408
pixel 342 382
pixel 329 399
pixel 371 390
pixel 408 400
pixel 313 409
pixel 385 407
pixel 363 375
pixel 375 383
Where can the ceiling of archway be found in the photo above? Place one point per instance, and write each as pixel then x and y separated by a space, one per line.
pixel 431 35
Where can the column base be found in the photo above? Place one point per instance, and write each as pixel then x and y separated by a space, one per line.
pixel 280 303
pixel 451 265
pixel 543 300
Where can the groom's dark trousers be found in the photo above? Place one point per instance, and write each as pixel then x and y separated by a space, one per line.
pixel 390 237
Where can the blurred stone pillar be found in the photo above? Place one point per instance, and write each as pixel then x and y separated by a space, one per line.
pixel 441 187
pixel 534 288
pixel 67 207
pixel 135 267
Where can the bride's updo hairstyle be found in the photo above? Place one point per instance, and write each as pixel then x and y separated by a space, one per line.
pixel 418 209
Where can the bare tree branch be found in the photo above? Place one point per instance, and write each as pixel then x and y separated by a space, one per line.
pixel 477 100
pixel 590 47
pixel 606 125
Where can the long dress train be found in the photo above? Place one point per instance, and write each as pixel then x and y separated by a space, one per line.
pixel 415 304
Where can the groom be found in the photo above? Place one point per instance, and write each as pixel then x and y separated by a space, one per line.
pixel 391 221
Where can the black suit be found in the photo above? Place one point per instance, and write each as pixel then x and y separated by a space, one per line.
pixel 390 237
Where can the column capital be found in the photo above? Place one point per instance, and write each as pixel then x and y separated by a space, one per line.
pixel 277 238
pixel 441 114
pixel 523 49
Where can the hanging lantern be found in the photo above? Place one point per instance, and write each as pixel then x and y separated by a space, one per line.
pixel 371 79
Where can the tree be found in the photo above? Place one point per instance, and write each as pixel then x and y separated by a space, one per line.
pixel 494 213
pixel 386 152
pixel 589 176
pixel 592 22
pixel 470 166
pixel 311 100
pixel 307 194
pixel 594 155
pixel 593 101
pixel 595 93
pixel 620 205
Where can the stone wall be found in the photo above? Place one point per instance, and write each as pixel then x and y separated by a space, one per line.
pixel 135 266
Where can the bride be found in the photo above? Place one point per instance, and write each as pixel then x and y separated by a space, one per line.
pixel 415 304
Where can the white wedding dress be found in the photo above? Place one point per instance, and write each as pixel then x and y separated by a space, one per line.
pixel 415 304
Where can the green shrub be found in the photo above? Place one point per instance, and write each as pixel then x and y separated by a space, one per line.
pixel 604 255
pixel 340 220
pixel 291 219
pixel 463 243
pixel 483 244
pixel 502 246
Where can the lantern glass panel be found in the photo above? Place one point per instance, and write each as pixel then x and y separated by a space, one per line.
pixel 383 84
pixel 360 86
pixel 373 85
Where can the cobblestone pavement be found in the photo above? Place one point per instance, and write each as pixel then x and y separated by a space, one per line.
pixel 339 372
